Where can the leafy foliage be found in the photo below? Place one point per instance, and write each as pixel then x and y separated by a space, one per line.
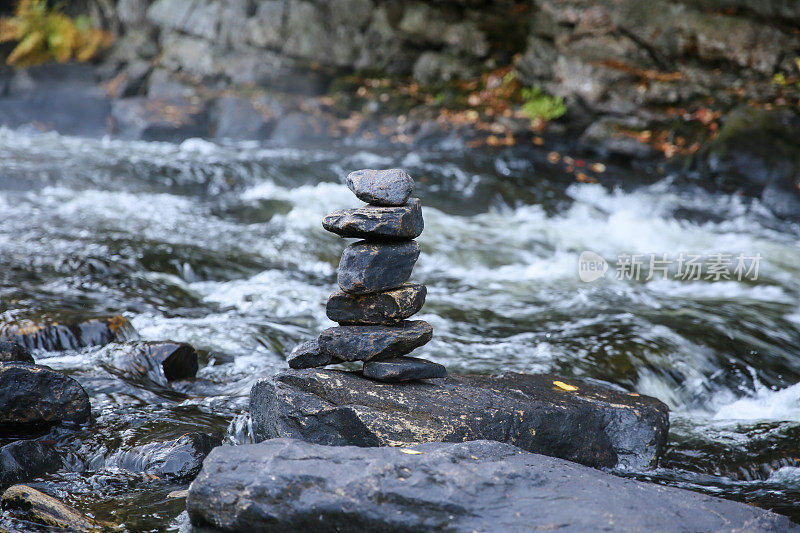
pixel 45 34
pixel 537 104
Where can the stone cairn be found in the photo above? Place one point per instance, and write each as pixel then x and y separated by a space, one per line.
pixel 376 298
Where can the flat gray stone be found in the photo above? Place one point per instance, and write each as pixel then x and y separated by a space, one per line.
pixel 368 267
pixel 308 355
pixel 387 308
pixel 594 426
pixel 374 222
pixel 401 368
pixel 381 187
pixel 362 343
pixel 290 485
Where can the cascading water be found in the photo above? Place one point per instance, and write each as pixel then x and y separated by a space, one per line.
pixel 220 246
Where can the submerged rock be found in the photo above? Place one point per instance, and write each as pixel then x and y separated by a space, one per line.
pixel 593 426
pixel 34 397
pixel 14 351
pixel 381 187
pixel 362 343
pixel 368 267
pixel 308 355
pixel 401 368
pixel 175 460
pixel 29 504
pixel 387 308
pixel 27 459
pixel 173 360
pixel 402 222
pixel 290 485
pixel 56 336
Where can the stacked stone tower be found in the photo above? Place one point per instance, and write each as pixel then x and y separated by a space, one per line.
pixel 376 298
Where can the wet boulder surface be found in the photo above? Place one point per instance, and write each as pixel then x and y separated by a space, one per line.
pixel 70 335
pixel 26 503
pixel 591 425
pixel 290 485
pixel 390 187
pixel 23 460
pixel 34 398
pixel 368 267
pixel 156 360
pixel 13 351
pixel 380 308
pixel 363 343
pixel 373 222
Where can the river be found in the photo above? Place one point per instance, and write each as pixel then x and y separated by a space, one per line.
pixel 222 246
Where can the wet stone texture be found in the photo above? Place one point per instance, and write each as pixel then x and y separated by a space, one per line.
pixel 27 459
pixel 308 355
pixel 173 360
pixel 362 343
pixel 381 187
pixel 14 351
pixel 380 308
pixel 373 222
pixel 399 369
pixel 30 505
pixel 57 336
pixel 290 485
pixel 34 397
pixel 368 267
pixel 593 426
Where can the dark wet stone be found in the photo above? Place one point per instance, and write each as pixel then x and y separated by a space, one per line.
pixel 381 187
pixel 29 504
pixel 175 360
pixel 593 425
pixel 34 397
pixel 173 460
pixel 368 267
pixel 27 459
pixel 403 222
pixel 14 351
pixel 290 485
pixel 362 343
pixel 401 368
pixel 57 336
pixel 308 355
pixel 387 308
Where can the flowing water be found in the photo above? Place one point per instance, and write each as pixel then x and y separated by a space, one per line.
pixel 221 246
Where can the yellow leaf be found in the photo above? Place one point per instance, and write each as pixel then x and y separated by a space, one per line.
pixel 565 386
pixel 27 46
pixel 410 452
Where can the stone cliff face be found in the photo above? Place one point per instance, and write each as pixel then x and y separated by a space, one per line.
pixel 613 56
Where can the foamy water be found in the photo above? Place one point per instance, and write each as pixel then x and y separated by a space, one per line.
pixel 222 247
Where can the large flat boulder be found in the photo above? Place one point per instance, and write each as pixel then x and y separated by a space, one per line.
pixel 593 426
pixel 290 485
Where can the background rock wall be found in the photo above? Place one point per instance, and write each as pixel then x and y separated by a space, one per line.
pixel 612 56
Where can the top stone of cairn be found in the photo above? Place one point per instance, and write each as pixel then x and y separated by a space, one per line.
pixel 381 187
